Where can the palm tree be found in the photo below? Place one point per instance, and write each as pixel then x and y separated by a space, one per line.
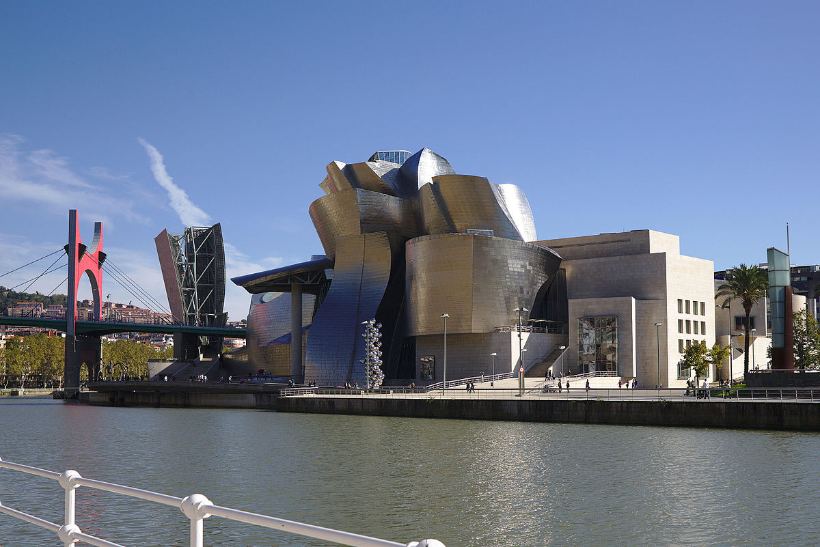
pixel 747 284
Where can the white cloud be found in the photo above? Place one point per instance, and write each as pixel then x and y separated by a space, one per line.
pixel 189 214
pixel 237 300
pixel 43 178
pixel 17 250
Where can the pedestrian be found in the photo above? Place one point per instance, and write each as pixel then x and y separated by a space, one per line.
pixel 567 386
pixel 705 389
pixel 560 387
pixel 619 384
pixel 587 386
pixel 468 387
pixel 635 383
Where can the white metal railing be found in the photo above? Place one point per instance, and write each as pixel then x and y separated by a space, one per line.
pixel 592 374
pixel 195 507
pixel 463 381
pixel 550 392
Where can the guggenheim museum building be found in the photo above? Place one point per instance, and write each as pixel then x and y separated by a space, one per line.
pixel 425 250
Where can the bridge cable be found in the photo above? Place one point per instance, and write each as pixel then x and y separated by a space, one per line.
pixel 128 288
pixel 134 289
pixel 130 291
pixel 44 273
pixel 58 286
pixel 32 262
pixel 138 287
pixel 33 279
pixel 143 291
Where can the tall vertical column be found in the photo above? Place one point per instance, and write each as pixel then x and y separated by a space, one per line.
pixel 296 332
pixel 73 266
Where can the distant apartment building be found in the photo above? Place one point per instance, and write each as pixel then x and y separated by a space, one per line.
pixel 128 313
pixel 26 308
pixel 55 311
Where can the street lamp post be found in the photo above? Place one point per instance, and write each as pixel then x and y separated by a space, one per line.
pixel 658 338
pixel 444 383
pixel 561 358
pixel 754 361
pixel 520 353
pixel 492 378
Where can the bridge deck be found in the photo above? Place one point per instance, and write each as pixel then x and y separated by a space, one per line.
pixel 106 327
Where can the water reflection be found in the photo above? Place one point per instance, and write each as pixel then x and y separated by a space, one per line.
pixel 467 483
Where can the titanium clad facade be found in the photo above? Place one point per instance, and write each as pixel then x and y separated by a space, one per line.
pixel 269 330
pixel 518 209
pixel 361 274
pixel 477 280
pixel 355 212
pixel 406 239
pixel 468 203
pixel 420 168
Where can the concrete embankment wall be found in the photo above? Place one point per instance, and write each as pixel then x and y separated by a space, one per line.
pixel 728 414
pixel 180 399
pixel 797 416
pixel 27 393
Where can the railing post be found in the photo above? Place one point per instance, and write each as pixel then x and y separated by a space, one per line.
pixel 69 525
pixel 195 507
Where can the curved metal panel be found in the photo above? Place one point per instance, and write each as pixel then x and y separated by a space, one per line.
pixel 335 344
pixel 268 324
pixel 363 176
pixel 355 212
pixel 420 168
pixel 518 208
pixel 466 202
pixel 477 280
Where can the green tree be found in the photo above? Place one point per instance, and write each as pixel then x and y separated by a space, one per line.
pixel 19 358
pixel 696 358
pixel 718 354
pixel 3 369
pixel 747 284
pixel 806 340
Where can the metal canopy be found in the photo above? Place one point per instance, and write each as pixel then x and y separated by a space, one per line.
pixel 310 275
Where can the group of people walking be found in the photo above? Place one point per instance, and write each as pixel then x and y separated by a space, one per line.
pixel 692 389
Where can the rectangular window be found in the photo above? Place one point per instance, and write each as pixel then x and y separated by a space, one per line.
pixel 688 326
pixel 680 305
pixel 703 308
pixel 680 326
pixel 688 309
pixel 683 373
pixel 740 322
pixel 703 327
pixel 695 326
pixel 688 343
pixel 680 345
pixel 598 344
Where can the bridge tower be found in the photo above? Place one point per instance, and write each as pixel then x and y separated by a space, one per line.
pixel 86 260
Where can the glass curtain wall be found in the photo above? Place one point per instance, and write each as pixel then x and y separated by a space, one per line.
pixel 598 344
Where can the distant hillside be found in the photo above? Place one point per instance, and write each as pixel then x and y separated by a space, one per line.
pixel 9 298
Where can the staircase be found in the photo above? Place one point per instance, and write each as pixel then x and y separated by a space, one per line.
pixel 539 369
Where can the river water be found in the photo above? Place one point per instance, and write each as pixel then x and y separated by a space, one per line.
pixel 462 482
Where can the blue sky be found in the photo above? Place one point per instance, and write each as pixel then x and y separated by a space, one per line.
pixel 697 118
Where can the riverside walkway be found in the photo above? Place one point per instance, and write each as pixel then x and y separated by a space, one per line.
pixel 536 391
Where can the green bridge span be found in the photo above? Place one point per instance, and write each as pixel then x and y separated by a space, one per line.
pixel 105 327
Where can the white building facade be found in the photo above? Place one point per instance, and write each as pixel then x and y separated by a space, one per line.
pixel 634 304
